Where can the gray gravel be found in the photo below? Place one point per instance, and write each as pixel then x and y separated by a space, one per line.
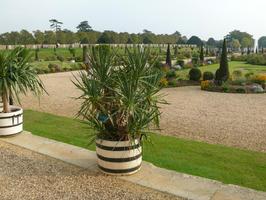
pixel 237 120
pixel 27 175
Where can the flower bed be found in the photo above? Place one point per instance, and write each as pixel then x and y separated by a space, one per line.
pixel 229 87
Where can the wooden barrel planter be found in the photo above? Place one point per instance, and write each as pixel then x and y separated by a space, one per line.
pixel 11 123
pixel 119 157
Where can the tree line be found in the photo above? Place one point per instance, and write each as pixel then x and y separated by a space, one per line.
pixel 86 35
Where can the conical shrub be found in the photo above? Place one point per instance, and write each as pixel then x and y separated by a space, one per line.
pixel 201 54
pixel 168 56
pixel 222 74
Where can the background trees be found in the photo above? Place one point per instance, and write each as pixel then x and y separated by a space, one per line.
pixel 245 39
pixel 55 24
pixel 262 42
pixel 194 40
pixel 86 35
pixel 84 27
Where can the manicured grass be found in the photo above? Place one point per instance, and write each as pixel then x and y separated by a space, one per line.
pixel 228 165
pixel 234 65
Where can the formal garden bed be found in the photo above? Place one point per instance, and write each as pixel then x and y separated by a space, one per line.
pixel 248 87
pixel 246 75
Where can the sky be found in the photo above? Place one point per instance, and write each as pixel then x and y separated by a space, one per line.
pixel 204 18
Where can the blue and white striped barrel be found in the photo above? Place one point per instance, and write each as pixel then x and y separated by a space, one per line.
pixel 11 123
pixel 119 157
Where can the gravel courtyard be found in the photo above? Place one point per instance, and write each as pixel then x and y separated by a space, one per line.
pixel 237 120
pixel 28 175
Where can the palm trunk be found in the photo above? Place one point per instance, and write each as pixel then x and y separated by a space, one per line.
pixel 5 99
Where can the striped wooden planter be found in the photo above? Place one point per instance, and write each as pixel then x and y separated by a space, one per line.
pixel 119 157
pixel 11 123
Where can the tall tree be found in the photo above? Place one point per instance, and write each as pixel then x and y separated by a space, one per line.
pixel 194 40
pixel 244 38
pixel 39 37
pixel 262 42
pixel 211 42
pixel 248 52
pixel 84 27
pixel 222 74
pixel 55 24
pixel 235 44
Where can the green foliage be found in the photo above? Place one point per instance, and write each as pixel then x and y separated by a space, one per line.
pixel 181 63
pixel 225 87
pixel 237 74
pixel 168 56
pixel 241 90
pixel 211 42
pixel 72 51
pixel 171 74
pixel 262 42
pixel 195 74
pixel 120 102
pixel 84 53
pixel 244 38
pixel 239 58
pixel 17 76
pixel 222 74
pixel 60 58
pixel 84 27
pixel 194 40
pixel 54 67
pixel 256 59
pixel 201 54
pixel 37 54
pixel 207 75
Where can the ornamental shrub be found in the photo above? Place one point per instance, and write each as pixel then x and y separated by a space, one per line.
pixel 205 84
pixel 168 56
pixel 54 68
pixel 222 74
pixel 208 76
pixel 171 74
pixel 60 58
pixel 164 82
pixel 181 63
pixel 194 74
pixel 237 74
pixel 201 54
pixel 241 90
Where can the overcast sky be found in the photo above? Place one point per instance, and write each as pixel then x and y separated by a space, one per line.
pixel 205 18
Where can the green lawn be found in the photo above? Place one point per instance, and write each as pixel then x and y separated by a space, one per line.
pixel 234 65
pixel 228 165
pixel 43 65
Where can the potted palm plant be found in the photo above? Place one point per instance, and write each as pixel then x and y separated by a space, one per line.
pixel 16 76
pixel 121 104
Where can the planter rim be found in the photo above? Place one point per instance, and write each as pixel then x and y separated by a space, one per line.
pixel 15 110
pixel 117 143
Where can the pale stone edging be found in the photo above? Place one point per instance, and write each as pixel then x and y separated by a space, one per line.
pixel 182 185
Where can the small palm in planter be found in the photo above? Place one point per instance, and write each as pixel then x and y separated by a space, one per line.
pixel 121 104
pixel 16 76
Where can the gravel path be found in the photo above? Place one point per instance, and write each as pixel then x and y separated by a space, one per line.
pixel 237 120
pixel 28 175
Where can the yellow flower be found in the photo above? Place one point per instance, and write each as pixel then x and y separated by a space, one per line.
pixel 164 82
pixel 260 77
pixel 205 84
